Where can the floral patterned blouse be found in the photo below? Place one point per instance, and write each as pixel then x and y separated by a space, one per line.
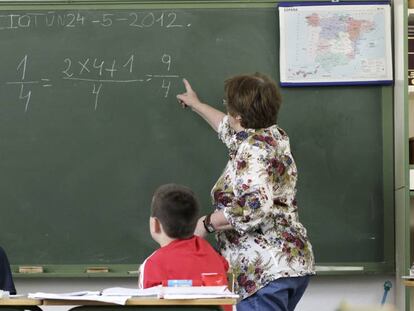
pixel 257 194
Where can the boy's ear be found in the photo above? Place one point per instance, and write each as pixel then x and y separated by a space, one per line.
pixel 156 225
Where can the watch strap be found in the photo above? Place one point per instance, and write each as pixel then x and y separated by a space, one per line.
pixel 208 225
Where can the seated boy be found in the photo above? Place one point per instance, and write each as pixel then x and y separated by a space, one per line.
pixel 182 256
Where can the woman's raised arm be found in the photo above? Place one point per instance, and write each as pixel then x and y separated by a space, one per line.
pixel 190 99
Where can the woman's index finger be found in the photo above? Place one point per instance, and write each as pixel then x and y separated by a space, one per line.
pixel 187 85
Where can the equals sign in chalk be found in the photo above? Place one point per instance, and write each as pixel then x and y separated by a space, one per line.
pixel 45 83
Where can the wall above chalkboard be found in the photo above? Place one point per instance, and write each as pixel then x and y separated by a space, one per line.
pixel 90 126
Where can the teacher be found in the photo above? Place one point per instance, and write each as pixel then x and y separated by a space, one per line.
pixel 255 215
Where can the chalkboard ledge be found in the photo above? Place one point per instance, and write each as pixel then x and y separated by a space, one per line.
pixel 357 268
pixel 130 271
pixel 80 271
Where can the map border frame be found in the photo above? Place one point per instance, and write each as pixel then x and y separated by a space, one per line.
pixel 284 81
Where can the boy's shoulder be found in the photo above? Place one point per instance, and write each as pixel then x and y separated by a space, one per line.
pixel 195 244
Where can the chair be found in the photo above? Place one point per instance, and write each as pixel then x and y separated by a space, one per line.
pixel 6 278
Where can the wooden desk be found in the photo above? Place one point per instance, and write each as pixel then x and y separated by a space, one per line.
pixel 21 301
pixel 410 284
pixel 140 303
pixel 146 301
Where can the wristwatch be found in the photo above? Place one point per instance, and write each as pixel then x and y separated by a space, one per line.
pixel 208 225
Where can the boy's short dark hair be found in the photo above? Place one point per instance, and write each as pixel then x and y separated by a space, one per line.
pixel 177 208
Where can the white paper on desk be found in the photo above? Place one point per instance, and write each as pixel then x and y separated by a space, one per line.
pixel 41 295
pixel 124 291
pixel 82 293
pixel 195 292
pixel 75 295
pixel 195 296
pixel 120 300
pixel 190 292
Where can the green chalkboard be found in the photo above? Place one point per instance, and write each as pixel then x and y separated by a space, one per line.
pixel 89 127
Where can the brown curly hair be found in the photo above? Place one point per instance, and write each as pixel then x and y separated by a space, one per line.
pixel 255 98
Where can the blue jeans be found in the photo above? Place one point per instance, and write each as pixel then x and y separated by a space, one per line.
pixel 280 295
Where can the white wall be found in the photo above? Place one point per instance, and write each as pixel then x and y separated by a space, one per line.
pixel 323 294
pixel 402 214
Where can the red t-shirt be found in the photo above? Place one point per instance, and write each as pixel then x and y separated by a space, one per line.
pixel 181 260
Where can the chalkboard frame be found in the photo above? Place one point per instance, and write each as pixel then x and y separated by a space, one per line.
pixel 386 266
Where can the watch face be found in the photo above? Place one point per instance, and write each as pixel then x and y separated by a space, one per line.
pixel 210 228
